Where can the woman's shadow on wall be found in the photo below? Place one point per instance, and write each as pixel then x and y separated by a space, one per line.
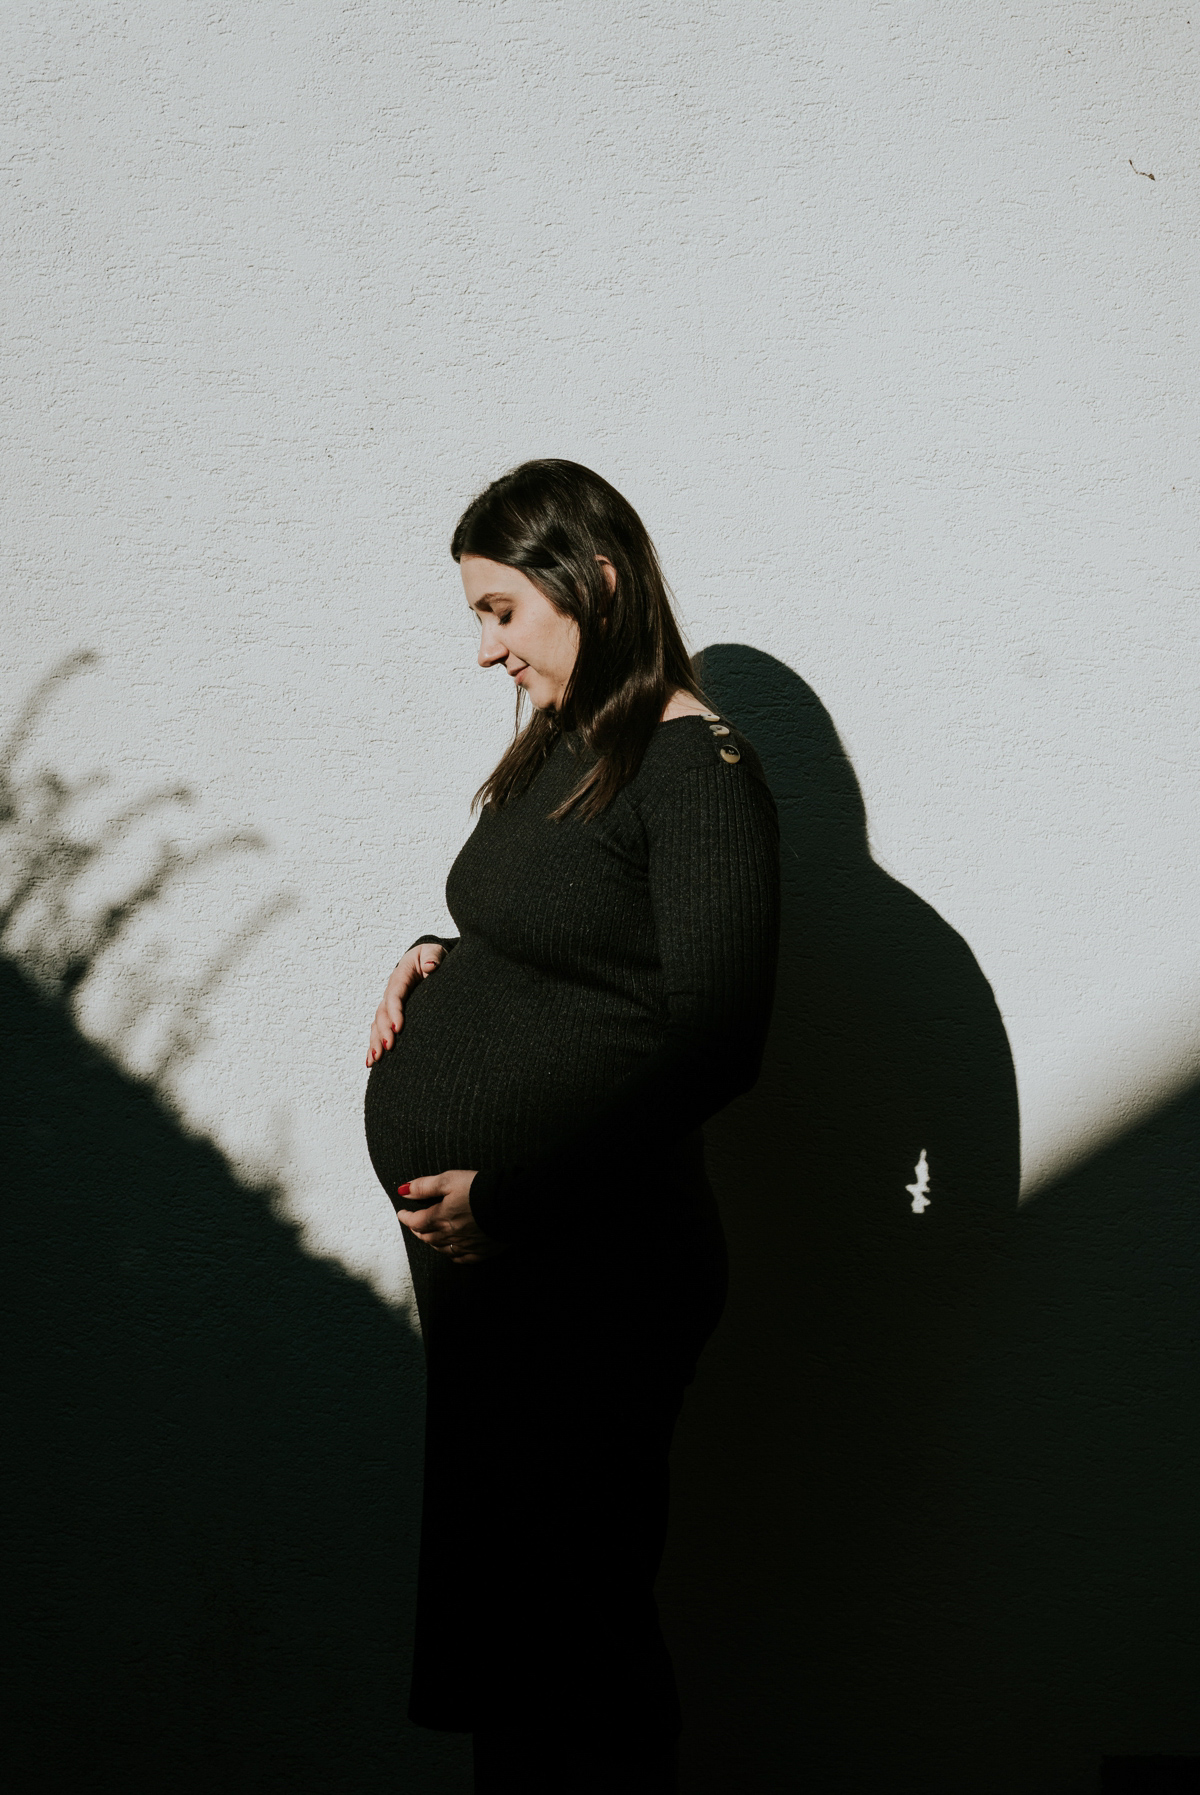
pixel 825 1574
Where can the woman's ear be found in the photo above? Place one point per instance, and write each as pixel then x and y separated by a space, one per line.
pixel 609 571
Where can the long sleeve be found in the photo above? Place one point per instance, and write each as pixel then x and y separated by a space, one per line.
pixel 446 941
pixel 713 874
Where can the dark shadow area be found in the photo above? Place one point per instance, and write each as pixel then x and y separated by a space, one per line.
pixel 896 1478
pixel 936 1486
pixel 1150 1776
pixel 815 1584
pixel 1090 1396
pixel 213 1495
pixel 215 1451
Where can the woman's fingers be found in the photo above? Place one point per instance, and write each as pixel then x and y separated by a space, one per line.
pixel 417 964
pixel 426 1219
pixel 406 1219
pixel 424 1190
pixel 444 1236
pixel 441 1216
pixel 421 1213
pixel 384 1030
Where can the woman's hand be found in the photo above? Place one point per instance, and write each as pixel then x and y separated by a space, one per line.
pixel 416 965
pixel 446 1222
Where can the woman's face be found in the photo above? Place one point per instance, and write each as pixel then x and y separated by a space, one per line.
pixel 535 643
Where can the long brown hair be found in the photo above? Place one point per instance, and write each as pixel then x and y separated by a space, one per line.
pixel 551 519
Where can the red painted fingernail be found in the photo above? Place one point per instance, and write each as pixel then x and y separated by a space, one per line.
pixel 402 1190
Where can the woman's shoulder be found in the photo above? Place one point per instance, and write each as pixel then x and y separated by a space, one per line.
pixel 704 741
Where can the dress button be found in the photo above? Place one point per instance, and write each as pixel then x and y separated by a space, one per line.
pixel 710 716
pixel 718 729
pixel 732 755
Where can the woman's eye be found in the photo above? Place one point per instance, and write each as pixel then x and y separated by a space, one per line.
pixel 502 621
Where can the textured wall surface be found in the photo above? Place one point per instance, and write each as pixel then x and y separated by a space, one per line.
pixel 867 308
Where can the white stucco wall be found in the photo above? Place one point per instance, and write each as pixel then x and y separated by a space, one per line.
pixel 862 305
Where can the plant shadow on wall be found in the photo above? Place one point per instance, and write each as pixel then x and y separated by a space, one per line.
pixel 216 1437
pixel 904 1552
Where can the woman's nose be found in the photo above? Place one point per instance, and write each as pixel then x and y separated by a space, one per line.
pixel 490 649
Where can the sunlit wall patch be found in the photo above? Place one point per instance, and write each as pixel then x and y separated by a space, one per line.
pixel 918 1190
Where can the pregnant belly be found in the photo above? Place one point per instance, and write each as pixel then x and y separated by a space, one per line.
pixel 495 1064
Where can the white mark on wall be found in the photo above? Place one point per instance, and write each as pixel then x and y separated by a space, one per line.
pixel 918 1190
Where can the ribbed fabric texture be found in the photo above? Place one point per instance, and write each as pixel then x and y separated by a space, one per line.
pixel 609 990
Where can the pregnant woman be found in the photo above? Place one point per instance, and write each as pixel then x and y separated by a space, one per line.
pixel 537 1088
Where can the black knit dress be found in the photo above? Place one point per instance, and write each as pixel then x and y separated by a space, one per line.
pixel 609 989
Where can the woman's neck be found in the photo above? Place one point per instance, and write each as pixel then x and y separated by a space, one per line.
pixel 682 704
